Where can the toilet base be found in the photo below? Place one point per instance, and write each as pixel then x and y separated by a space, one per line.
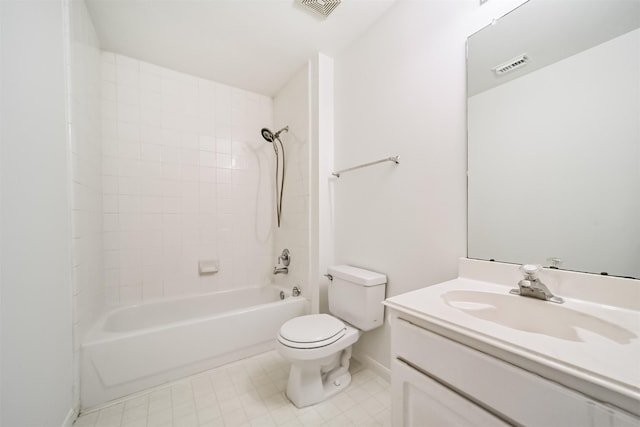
pixel 311 383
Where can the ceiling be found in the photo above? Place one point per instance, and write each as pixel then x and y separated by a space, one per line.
pixel 546 31
pixel 257 45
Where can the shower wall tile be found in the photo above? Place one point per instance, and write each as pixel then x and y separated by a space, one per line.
pixel 186 176
pixel 290 108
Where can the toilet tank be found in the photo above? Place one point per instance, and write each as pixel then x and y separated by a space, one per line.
pixel 356 295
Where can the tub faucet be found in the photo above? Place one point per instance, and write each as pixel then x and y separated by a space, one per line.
pixel 285 258
pixel 281 270
pixel 531 286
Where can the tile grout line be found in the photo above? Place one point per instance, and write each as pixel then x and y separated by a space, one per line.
pixel 197 394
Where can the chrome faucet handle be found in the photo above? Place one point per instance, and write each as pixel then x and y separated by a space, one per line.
pixel 531 286
pixel 285 257
pixel 530 270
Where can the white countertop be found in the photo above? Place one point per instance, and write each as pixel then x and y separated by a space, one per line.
pixel 597 345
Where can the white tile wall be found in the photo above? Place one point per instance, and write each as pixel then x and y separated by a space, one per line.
pixel 291 108
pixel 186 176
pixel 86 201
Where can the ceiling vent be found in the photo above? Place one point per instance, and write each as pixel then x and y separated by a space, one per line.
pixel 513 64
pixel 321 7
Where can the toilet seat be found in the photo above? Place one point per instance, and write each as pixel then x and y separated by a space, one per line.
pixel 311 331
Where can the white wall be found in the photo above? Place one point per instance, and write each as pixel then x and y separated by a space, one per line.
pixel 322 235
pixel 186 176
pixel 400 90
pixel 86 175
pixel 581 115
pixel 291 107
pixel 36 311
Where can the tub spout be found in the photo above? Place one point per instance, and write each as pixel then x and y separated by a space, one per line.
pixel 282 270
pixel 285 258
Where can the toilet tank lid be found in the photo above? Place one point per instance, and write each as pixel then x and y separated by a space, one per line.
pixel 357 275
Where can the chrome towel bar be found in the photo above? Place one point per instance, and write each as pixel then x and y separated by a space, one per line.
pixel 394 159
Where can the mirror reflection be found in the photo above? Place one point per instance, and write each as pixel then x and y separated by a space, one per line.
pixel 554 137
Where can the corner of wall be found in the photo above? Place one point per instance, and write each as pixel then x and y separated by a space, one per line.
pixel 290 108
pixel 321 98
pixel 82 63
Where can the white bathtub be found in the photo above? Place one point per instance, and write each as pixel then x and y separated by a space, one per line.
pixel 134 348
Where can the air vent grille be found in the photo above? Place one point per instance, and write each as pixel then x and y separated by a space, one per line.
pixel 321 7
pixel 513 64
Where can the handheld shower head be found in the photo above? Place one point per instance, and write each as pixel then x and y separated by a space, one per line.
pixel 268 135
pixel 271 138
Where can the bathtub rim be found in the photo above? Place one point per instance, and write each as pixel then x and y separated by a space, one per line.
pixel 96 334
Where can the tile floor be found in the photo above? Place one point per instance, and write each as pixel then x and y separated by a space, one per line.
pixel 249 392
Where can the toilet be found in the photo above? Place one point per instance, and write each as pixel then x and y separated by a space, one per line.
pixel 318 346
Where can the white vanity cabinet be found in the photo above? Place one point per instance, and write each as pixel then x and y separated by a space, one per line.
pixel 437 381
pixel 419 400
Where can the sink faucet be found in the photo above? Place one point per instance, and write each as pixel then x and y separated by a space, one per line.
pixel 531 286
pixel 285 258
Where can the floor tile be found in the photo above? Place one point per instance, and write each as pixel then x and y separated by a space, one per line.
pixel 251 393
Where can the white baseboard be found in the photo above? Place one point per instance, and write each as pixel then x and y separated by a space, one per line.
pixel 374 365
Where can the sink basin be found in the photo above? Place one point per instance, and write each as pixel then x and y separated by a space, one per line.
pixel 591 343
pixel 534 316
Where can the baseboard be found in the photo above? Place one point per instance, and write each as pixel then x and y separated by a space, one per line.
pixel 377 367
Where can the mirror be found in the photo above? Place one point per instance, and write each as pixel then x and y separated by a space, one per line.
pixel 554 137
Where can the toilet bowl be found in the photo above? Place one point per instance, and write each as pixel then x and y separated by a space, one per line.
pixel 318 346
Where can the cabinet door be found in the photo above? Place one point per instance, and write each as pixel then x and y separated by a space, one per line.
pixel 515 393
pixel 420 401
pixel 604 416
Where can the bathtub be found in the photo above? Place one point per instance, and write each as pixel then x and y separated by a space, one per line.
pixel 134 348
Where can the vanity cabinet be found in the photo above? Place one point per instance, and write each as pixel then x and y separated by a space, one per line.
pixel 438 381
pixel 423 401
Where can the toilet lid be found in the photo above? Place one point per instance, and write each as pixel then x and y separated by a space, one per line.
pixel 315 330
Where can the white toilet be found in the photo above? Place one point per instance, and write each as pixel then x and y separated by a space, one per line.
pixel 319 345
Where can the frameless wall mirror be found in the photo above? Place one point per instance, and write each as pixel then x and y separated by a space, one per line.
pixel 554 137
